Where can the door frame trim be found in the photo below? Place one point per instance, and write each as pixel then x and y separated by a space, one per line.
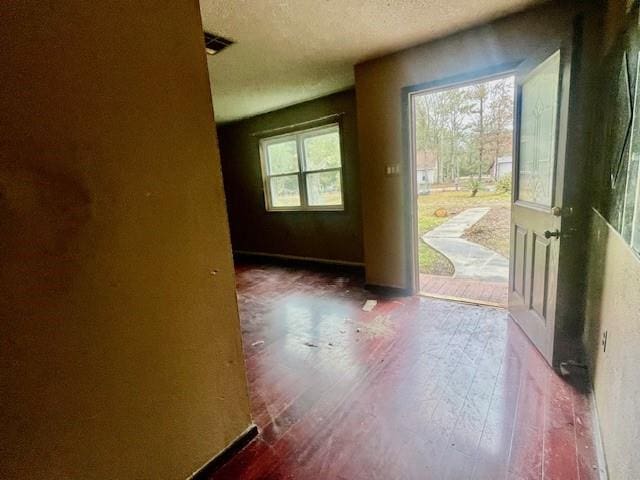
pixel 408 165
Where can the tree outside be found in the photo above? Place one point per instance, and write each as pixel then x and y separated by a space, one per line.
pixel 463 142
pixel 465 130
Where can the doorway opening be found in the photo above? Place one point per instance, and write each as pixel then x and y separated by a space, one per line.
pixel 462 157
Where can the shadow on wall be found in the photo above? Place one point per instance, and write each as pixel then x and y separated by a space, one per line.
pixel 43 212
pixel 596 274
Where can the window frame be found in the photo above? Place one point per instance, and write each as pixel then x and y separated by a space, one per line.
pixel 299 136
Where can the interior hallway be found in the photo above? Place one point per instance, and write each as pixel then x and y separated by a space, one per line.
pixel 415 389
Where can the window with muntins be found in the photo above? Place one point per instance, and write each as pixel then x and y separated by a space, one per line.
pixel 302 170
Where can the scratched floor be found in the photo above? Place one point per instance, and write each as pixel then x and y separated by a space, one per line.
pixel 415 389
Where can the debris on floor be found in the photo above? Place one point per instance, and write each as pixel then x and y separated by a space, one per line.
pixel 309 344
pixel 259 342
pixel 369 305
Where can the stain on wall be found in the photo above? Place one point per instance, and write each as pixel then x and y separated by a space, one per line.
pixel 46 242
pixel 120 346
pixel 323 235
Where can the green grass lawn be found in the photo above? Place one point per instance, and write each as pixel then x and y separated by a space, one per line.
pixel 432 261
pixel 427 221
pixel 454 203
pixel 492 231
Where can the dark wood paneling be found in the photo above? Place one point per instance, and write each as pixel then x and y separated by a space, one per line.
pixel 616 131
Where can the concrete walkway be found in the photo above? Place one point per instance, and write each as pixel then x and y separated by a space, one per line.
pixel 469 259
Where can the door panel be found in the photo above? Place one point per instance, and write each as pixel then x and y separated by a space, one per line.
pixel 540 277
pixel 540 128
pixel 519 255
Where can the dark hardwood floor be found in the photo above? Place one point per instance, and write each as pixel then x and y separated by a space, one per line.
pixel 415 389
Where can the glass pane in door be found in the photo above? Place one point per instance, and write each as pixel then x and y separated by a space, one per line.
pixel 538 116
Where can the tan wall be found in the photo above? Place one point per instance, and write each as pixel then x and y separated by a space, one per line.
pixel 324 235
pixel 120 350
pixel 378 90
pixel 613 305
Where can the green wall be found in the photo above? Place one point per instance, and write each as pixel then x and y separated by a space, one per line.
pixel 321 235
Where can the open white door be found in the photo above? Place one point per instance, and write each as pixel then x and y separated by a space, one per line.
pixel 542 96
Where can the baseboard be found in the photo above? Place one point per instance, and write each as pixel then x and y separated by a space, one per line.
pixel 387 291
pixel 225 455
pixel 278 256
pixel 603 469
pixel 598 440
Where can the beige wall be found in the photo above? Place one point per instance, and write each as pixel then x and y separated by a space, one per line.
pixel 613 305
pixel 120 348
pixel 378 90
pixel 323 235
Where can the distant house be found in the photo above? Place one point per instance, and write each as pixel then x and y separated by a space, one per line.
pixel 502 167
pixel 427 169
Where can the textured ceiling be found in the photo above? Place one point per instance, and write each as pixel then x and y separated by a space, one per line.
pixel 288 51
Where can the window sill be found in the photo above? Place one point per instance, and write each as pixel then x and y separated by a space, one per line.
pixel 306 209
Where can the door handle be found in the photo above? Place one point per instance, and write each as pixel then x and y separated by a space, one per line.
pixel 549 234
